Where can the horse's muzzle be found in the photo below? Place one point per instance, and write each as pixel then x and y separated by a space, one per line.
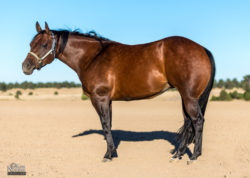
pixel 28 68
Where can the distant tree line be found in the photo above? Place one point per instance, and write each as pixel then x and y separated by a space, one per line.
pixel 234 83
pixel 30 85
pixel 226 84
pixel 228 96
pixel 230 84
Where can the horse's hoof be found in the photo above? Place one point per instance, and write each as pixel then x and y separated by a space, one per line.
pixel 190 161
pixel 172 160
pixel 106 160
pixel 175 158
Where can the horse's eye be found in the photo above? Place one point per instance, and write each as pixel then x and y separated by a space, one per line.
pixel 44 45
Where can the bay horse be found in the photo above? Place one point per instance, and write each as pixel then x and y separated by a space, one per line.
pixel 110 71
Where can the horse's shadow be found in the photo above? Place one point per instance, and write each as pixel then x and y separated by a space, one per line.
pixel 121 135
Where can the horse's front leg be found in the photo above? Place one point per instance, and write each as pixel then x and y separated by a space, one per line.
pixel 102 105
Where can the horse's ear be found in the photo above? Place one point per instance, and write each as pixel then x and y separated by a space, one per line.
pixel 47 28
pixel 38 27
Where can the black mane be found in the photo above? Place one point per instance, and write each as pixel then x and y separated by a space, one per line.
pixel 90 34
pixel 63 34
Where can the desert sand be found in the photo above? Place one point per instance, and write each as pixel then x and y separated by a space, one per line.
pixel 60 136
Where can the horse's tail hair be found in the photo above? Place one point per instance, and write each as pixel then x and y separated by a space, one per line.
pixel 186 132
pixel 205 95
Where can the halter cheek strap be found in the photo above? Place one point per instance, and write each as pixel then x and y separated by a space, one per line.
pixel 52 50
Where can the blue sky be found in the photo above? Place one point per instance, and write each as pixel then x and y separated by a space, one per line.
pixel 221 26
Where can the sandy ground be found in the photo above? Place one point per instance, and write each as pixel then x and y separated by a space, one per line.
pixel 37 131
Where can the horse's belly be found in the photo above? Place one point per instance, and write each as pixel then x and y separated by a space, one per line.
pixel 141 87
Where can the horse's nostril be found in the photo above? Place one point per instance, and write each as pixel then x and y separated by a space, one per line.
pixel 27 65
pixel 28 68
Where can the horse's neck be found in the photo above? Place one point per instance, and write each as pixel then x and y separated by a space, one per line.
pixel 78 52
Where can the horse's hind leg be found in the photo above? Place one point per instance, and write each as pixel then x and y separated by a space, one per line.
pixel 194 111
pixel 185 135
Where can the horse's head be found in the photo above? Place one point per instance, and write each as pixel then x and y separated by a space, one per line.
pixel 42 50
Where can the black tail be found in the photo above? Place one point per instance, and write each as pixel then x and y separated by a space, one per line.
pixel 205 95
pixel 186 132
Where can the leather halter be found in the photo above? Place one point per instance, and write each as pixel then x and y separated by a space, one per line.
pixel 52 50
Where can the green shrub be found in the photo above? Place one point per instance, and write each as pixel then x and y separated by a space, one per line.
pixel 84 97
pixel 30 93
pixel 215 98
pixel 3 87
pixel 241 96
pixel 55 93
pixel 18 93
pixel 236 95
pixel 246 83
pixel 247 96
pixel 224 96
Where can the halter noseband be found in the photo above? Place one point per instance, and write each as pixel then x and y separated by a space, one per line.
pixel 52 50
